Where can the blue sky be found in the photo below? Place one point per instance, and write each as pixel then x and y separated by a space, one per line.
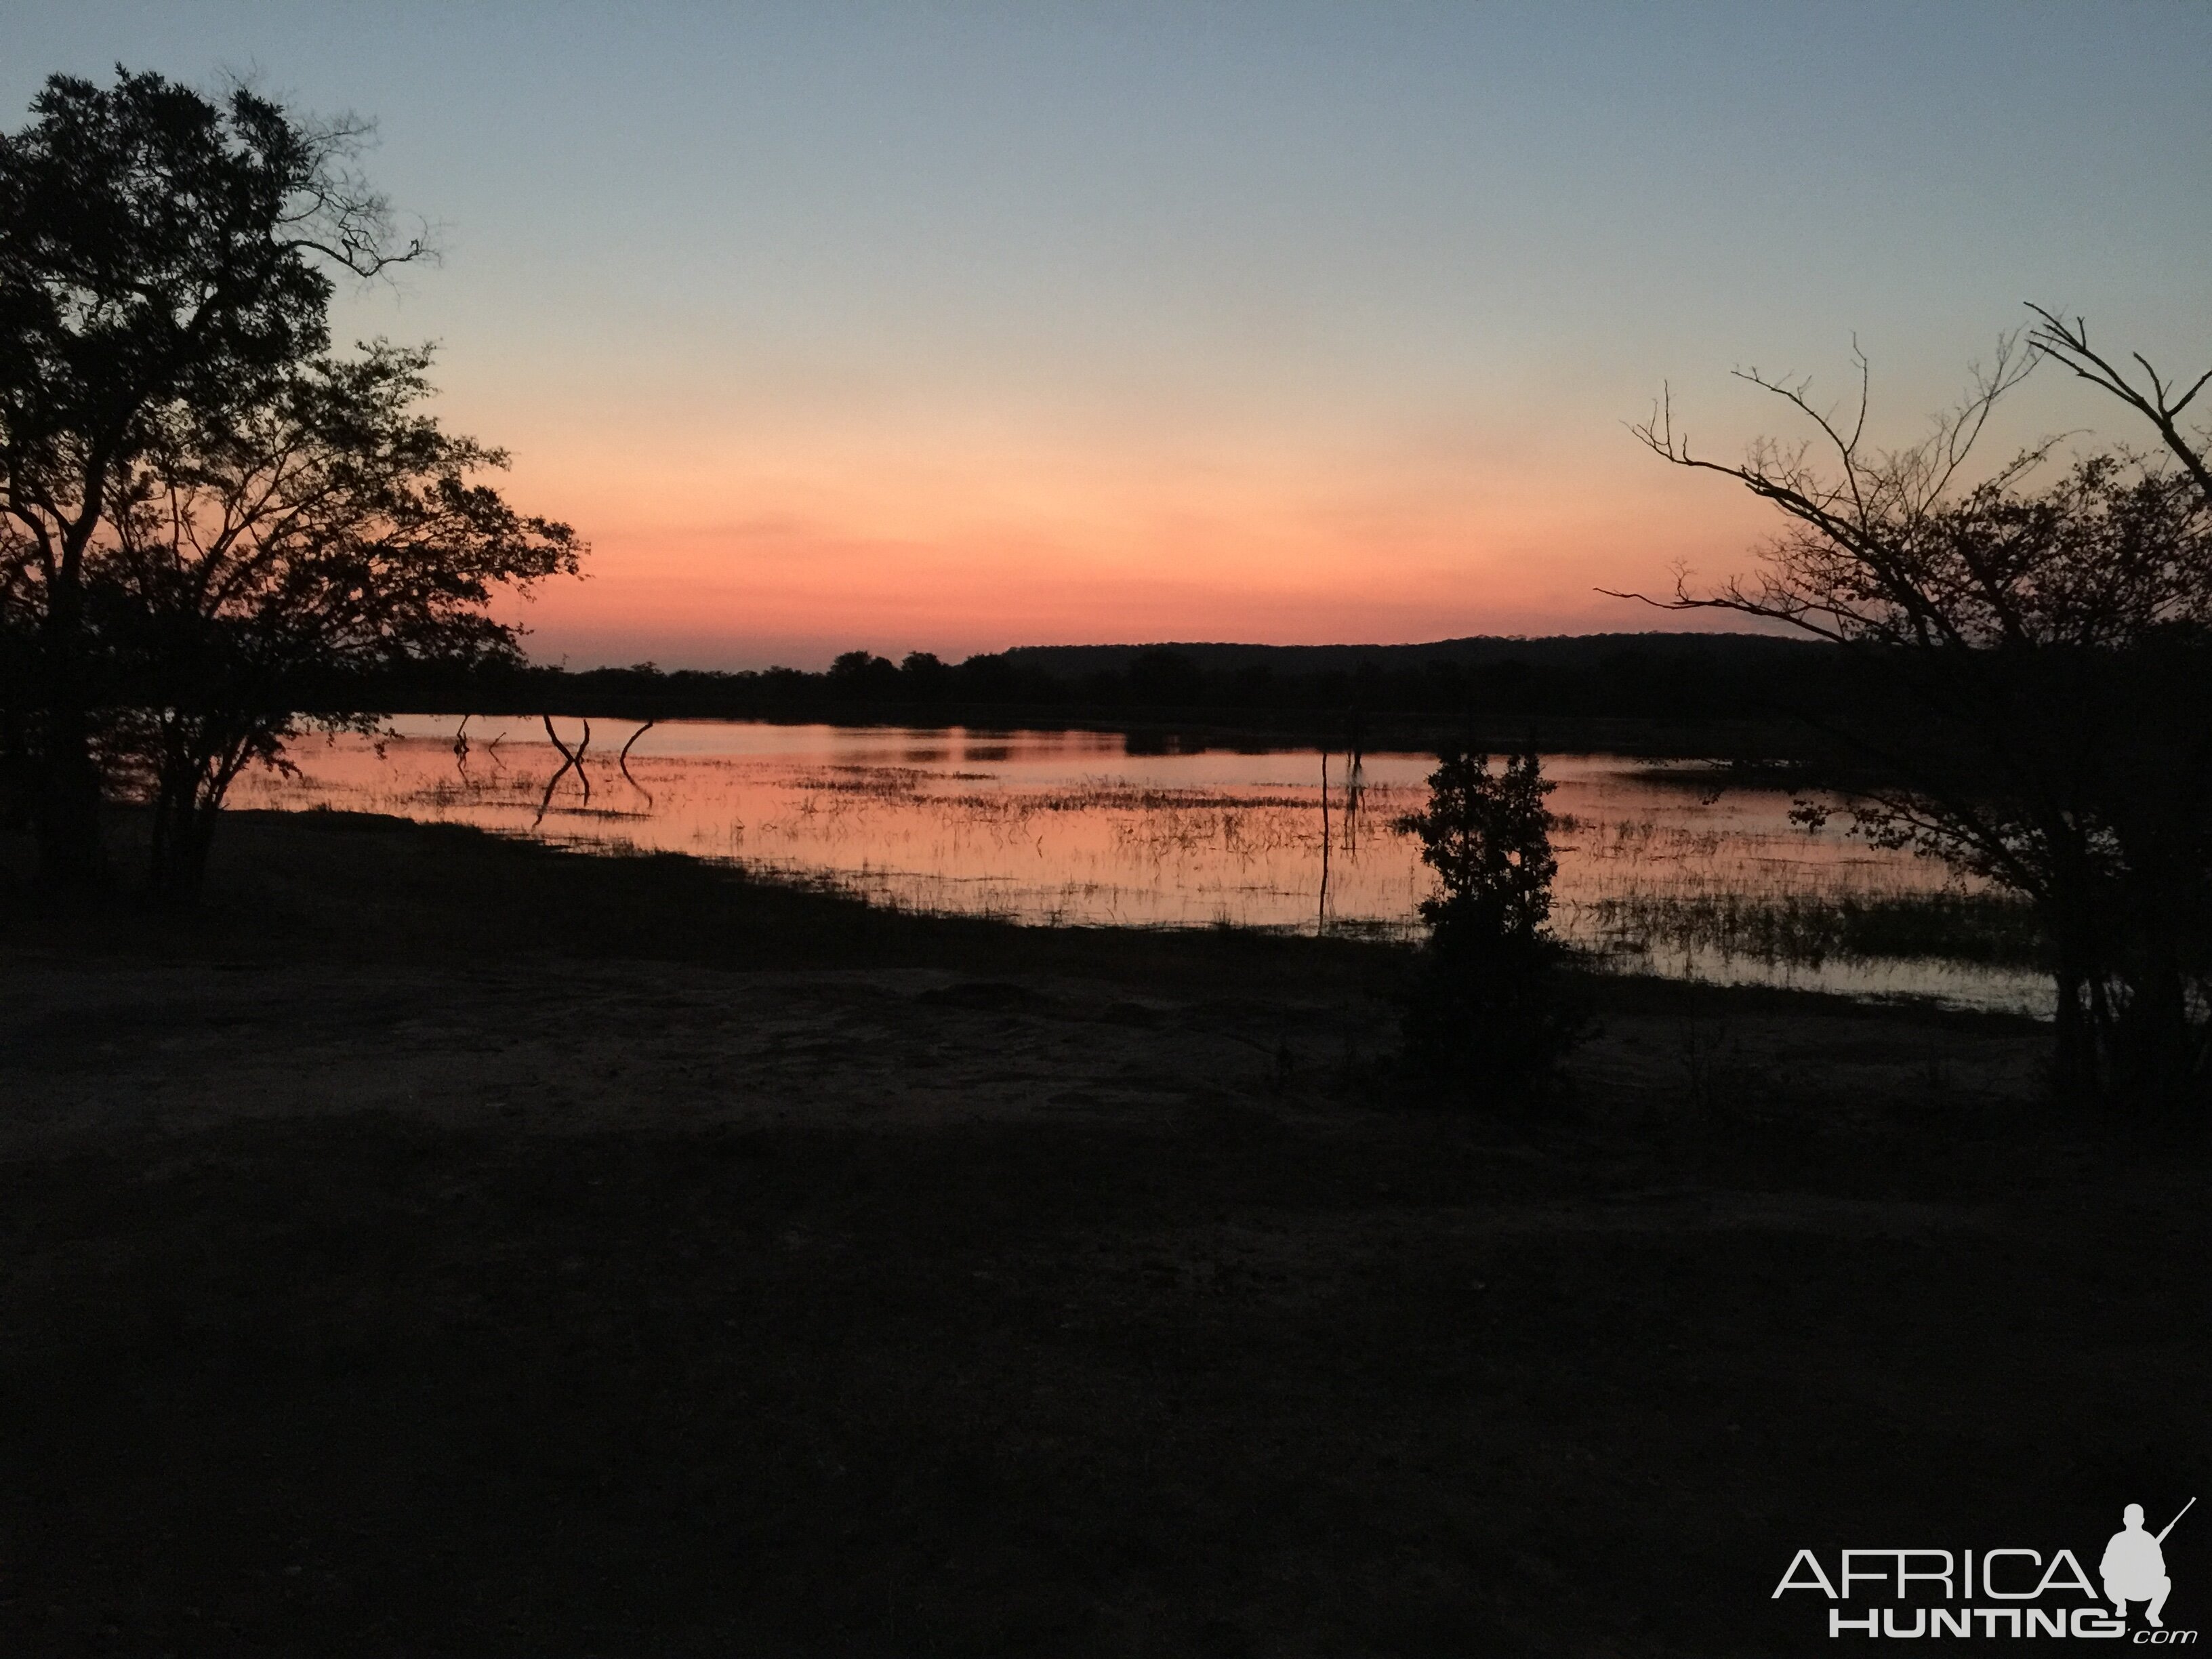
pixel 956 327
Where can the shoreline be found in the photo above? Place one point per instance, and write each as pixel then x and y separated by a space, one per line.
pixel 446 1243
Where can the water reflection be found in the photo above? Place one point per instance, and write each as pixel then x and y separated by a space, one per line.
pixel 1073 826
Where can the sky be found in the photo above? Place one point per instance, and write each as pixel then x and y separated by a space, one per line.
pixel 945 327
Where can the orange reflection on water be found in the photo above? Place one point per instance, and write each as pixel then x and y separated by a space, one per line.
pixel 1082 827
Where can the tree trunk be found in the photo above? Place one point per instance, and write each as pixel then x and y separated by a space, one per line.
pixel 2156 1041
pixel 2074 1059
pixel 2074 1072
pixel 65 775
pixel 176 868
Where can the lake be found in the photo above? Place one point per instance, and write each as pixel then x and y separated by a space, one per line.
pixel 1098 827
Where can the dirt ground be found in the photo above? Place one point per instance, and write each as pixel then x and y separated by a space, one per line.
pixel 390 1273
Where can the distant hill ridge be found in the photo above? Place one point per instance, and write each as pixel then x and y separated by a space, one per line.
pixel 1549 650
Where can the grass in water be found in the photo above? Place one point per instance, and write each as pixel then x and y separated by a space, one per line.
pixel 1989 929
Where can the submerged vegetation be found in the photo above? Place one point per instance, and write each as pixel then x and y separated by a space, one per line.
pixel 1813 928
pixel 1051 830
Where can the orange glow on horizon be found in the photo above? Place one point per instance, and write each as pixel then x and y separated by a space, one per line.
pixel 738 554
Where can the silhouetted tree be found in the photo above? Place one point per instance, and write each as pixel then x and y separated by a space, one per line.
pixel 862 676
pixel 923 677
pixel 162 256
pixel 1491 1012
pixel 333 528
pixel 2036 703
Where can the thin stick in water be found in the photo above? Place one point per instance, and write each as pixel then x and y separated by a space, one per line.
pixel 1322 920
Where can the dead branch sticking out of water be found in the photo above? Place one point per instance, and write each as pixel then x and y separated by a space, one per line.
pixel 623 761
pixel 570 760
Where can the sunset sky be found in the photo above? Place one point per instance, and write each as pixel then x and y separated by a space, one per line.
pixel 951 327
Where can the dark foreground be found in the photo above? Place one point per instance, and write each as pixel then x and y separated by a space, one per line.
pixel 445 1246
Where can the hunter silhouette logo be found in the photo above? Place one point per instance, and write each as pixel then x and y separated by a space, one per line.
pixel 2011 1592
pixel 2134 1567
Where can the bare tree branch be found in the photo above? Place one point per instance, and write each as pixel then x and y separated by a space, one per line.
pixel 2068 344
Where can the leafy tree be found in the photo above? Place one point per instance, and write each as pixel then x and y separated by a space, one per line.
pixel 1490 1012
pixel 862 675
pixel 2035 700
pixel 163 258
pixel 923 676
pixel 331 532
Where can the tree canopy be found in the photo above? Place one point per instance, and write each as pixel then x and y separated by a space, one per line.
pixel 199 499
pixel 2035 705
pixel 335 527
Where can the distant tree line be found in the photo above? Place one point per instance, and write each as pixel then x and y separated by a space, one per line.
pixel 1682 678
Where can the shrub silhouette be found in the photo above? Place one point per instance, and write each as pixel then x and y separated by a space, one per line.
pixel 1491 1010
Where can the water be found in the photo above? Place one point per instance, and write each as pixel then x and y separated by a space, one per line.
pixel 1086 826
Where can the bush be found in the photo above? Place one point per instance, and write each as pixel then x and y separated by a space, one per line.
pixel 1491 1010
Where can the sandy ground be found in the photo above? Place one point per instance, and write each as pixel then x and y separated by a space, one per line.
pixel 556 1046
pixel 449 1299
